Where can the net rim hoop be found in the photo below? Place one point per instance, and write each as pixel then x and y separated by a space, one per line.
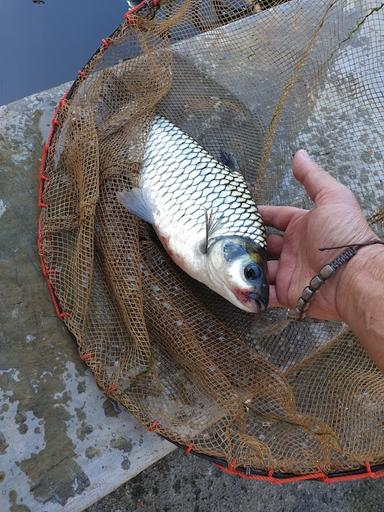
pixel 278 478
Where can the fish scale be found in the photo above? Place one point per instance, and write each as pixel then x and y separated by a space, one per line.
pixel 176 167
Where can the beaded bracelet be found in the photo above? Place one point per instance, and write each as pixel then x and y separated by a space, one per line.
pixel 325 273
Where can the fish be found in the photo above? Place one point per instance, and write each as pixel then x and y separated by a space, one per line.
pixel 203 214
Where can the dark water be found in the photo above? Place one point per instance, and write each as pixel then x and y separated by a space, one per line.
pixel 43 45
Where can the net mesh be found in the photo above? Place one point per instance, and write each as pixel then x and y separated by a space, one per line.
pixel 259 79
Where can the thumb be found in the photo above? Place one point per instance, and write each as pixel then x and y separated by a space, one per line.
pixel 318 183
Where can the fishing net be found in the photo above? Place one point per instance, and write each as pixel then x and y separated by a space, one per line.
pixel 259 79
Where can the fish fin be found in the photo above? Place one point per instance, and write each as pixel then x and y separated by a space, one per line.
pixel 211 226
pixel 137 201
pixel 229 160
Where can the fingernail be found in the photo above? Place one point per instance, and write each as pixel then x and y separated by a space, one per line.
pixel 304 154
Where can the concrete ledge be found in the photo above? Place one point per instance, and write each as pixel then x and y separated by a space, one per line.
pixel 63 443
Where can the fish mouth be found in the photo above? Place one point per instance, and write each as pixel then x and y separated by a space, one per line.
pixel 253 301
pixel 261 298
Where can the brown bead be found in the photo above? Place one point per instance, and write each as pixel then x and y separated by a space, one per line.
pixel 307 293
pixel 326 271
pixel 316 282
pixel 300 304
pixel 293 314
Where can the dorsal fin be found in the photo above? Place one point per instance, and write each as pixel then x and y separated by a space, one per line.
pixel 229 160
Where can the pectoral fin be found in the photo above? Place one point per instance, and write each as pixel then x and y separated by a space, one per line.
pixel 137 201
pixel 212 225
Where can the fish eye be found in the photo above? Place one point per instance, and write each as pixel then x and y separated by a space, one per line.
pixel 252 272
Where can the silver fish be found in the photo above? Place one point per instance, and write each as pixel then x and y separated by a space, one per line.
pixel 203 214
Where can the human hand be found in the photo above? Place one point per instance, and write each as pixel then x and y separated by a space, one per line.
pixel 335 220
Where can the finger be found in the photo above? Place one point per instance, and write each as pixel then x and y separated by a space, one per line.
pixel 317 182
pixel 274 245
pixel 273 266
pixel 273 300
pixel 279 216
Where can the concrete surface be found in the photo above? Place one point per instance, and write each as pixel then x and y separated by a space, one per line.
pixel 189 484
pixel 63 443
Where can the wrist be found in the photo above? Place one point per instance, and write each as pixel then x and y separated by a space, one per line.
pixel 358 280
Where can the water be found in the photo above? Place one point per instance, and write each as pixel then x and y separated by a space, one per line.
pixel 43 45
